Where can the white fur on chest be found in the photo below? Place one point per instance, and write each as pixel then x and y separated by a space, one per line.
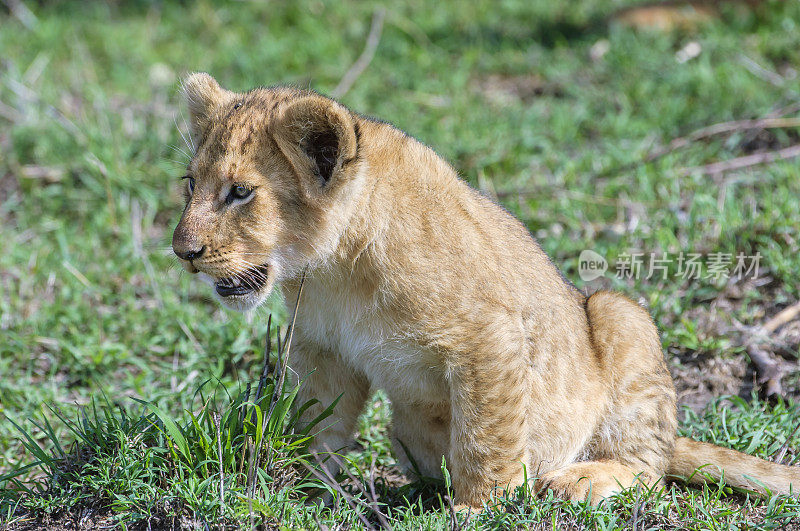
pixel 357 331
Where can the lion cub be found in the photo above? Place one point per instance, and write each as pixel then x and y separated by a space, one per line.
pixel 419 285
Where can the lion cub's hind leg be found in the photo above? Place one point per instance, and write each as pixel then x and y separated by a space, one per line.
pixel 592 480
pixel 636 437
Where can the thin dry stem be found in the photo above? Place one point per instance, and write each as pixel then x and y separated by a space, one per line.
pixel 278 391
pixel 770 369
pixel 782 451
pixel 366 56
pixel 372 499
pixel 722 128
pixel 739 163
pixel 215 416
pixel 326 477
pixel 782 317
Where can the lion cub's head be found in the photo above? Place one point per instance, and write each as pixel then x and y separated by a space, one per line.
pixel 270 187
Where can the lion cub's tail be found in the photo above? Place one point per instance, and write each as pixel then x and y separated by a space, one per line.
pixel 694 461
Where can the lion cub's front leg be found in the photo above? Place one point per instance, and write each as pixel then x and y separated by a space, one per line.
pixel 326 377
pixel 489 432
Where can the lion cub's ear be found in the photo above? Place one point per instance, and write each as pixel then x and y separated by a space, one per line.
pixel 318 137
pixel 202 94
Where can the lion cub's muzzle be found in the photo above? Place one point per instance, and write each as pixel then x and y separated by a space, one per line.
pixel 243 283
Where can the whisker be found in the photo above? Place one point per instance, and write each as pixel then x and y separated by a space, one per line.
pixel 241 275
pixel 188 145
pixel 255 272
pixel 179 151
pixel 251 278
pixel 188 128
pixel 179 163
pixel 256 268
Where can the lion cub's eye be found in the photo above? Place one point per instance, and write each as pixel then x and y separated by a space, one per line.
pixel 238 191
pixel 191 183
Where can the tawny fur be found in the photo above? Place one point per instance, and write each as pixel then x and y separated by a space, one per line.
pixel 420 286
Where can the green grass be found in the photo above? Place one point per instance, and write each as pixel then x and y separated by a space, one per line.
pixel 227 459
pixel 92 302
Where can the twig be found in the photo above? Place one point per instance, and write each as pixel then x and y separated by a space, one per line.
pixel 372 499
pixel 320 525
pixel 744 162
pixel 455 525
pixel 250 497
pixel 770 370
pixel 722 128
pixel 782 317
pixel 329 480
pixel 772 120
pixel 77 274
pixel 23 14
pixel 637 507
pixel 246 399
pixel 278 391
pixel 215 416
pixel 373 504
pixel 242 416
pixel 764 73
pixel 782 451
pixel 572 194
pixel 264 369
pixel 366 56
pixel 283 356
pixel 790 108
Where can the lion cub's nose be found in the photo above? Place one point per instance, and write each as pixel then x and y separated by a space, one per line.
pixel 190 255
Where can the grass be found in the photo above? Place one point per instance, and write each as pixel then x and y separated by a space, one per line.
pixel 514 94
pixel 228 459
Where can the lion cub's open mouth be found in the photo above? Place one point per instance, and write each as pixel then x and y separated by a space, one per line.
pixel 248 281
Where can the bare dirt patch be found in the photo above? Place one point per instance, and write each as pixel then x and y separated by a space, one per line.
pixel 700 380
pixel 505 90
pixel 700 375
